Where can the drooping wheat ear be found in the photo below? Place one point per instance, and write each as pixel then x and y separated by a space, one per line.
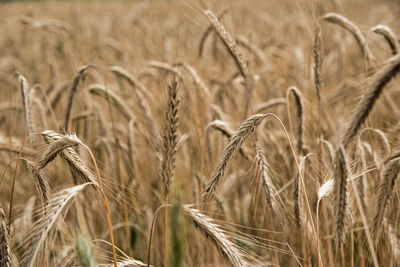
pixel 27 103
pixel 132 80
pixel 208 31
pixel 84 252
pixel 224 128
pixel 106 93
pixel 266 180
pixel 196 78
pixel 300 116
pixel 385 190
pixel 6 258
pixel 170 138
pixel 213 232
pixel 76 164
pixel 269 104
pixel 353 29
pixel 80 76
pixel 248 127
pixel 229 43
pixel 341 174
pixel 40 181
pixel 57 206
pixel 373 92
pixel 389 36
pixel 54 148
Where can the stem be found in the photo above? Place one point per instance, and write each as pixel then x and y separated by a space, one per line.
pixel 103 196
pixel 13 182
pixel 166 233
pixel 151 232
pixel 301 180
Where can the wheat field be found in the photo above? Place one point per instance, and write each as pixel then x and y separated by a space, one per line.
pixel 199 133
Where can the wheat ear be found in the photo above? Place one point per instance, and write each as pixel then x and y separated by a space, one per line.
pixel 72 159
pixel 100 90
pixel 266 180
pixel 132 80
pixel 373 92
pixel 213 232
pixel 385 190
pixel 341 174
pixel 80 75
pixel 6 258
pixel 353 29
pixel 27 103
pixel 57 205
pixel 196 78
pixel 234 144
pixel 208 31
pixel 40 181
pixel 170 142
pixel 389 36
pixel 170 138
pixel 300 116
pixel 224 128
pixel 229 43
